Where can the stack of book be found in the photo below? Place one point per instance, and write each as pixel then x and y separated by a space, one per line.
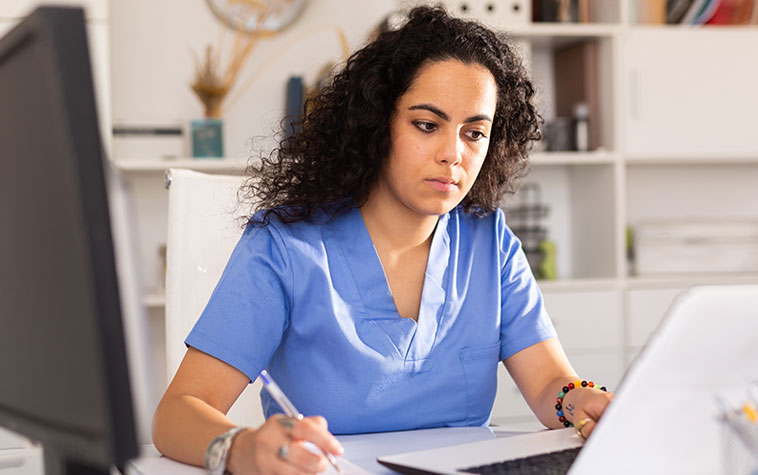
pixel 574 11
pixel 696 12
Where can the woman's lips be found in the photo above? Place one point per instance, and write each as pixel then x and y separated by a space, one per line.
pixel 442 184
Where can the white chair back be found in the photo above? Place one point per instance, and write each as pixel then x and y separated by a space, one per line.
pixel 203 228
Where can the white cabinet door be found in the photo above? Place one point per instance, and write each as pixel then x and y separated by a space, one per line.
pixel 586 320
pixel 691 91
pixel 606 368
pixel 509 403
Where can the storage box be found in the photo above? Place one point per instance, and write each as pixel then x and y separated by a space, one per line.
pixel 739 439
pixel 496 15
pixel 148 142
pixel 688 247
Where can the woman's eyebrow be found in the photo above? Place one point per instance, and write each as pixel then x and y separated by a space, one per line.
pixel 442 115
pixel 434 110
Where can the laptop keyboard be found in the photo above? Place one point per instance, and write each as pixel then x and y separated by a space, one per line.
pixel 552 463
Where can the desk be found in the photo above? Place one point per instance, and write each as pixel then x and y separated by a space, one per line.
pixel 360 450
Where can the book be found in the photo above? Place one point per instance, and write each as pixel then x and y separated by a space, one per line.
pixel 583 11
pixel 676 9
pixel 693 12
pixel 557 10
pixel 650 12
pixel 706 13
pixel 732 12
pixel 576 79
pixel 293 109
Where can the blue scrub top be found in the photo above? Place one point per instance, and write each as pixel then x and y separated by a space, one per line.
pixel 309 302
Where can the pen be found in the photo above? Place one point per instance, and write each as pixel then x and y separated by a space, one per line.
pixel 750 412
pixel 289 409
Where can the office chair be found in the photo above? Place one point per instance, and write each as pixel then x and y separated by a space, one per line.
pixel 203 228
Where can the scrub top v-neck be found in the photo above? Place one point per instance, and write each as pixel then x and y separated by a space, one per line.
pixel 310 302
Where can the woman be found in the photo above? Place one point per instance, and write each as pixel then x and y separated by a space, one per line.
pixel 379 284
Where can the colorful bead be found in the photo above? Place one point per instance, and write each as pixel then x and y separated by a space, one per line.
pixel 562 394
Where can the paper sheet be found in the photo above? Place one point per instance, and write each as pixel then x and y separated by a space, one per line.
pixel 166 466
pixel 348 468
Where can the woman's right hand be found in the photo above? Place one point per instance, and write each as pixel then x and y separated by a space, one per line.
pixel 278 447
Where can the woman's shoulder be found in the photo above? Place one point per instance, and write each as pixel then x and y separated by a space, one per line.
pixel 278 222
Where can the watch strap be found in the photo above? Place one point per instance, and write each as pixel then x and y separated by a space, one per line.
pixel 222 442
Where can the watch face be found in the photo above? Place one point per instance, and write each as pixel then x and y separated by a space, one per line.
pixel 262 15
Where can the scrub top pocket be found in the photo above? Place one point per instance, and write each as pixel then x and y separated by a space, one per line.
pixel 480 372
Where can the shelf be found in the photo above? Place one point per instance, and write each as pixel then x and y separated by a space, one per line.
pixel 573 158
pixel 668 27
pixel 238 166
pixel 224 165
pixel 578 285
pixel 691 280
pixel 693 159
pixel 638 283
pixel 555 35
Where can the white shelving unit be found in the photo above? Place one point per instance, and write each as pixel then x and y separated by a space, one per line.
pixel 676 113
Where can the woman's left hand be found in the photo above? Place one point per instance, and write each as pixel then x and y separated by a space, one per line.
pixel 584 407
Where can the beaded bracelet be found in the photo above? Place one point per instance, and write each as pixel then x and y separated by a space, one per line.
pixel 562 394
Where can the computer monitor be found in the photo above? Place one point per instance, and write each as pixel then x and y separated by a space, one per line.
pixel 64 378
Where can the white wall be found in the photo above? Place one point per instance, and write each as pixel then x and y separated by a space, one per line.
pixel 152 45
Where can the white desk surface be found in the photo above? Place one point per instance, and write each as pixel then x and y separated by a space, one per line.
pixel 361 450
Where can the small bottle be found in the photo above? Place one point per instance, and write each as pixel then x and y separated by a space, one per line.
pixel 581 127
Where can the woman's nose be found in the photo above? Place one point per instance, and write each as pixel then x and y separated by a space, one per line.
pixel 450 149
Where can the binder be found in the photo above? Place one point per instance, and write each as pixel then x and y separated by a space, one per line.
pixel 293 109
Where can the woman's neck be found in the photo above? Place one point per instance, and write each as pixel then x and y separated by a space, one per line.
pixel 395 227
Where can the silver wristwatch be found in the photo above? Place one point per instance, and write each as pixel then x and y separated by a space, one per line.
pixel 217 452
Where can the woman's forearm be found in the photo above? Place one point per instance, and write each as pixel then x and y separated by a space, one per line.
pixel 547 399
pixel 184 425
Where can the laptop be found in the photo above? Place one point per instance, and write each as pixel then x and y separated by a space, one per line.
pixel 664 417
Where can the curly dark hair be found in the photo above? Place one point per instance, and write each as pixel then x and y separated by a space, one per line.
pixel 336 154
